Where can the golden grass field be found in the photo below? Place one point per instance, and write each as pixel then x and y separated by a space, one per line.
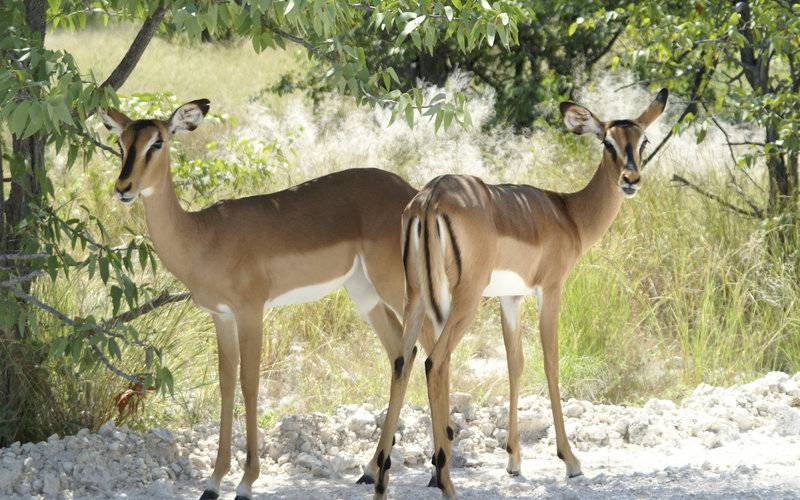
pixel 678 292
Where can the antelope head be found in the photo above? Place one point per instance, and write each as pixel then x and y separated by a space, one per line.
pixel 624 140
pixel 144 146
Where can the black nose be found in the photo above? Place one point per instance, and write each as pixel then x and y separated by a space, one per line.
pixel 123 191
pixel 628 180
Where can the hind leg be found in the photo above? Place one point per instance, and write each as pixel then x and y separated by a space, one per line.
pixel 437 371
pixel 401 357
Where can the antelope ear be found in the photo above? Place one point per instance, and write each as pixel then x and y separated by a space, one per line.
pixel 188 116
pixel 113 120
pixel 580 120
pixel 654 110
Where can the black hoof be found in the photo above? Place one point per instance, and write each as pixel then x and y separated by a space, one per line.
pixel 514 473
pixel 433 483
pixel 365 479
pixel 579 474
pixel 241 497
pixel 209 495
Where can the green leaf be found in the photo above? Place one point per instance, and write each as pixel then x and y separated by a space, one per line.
pixel 116 297
pixel 19 118
pixel 412 25
pixel 572 28
pixel 103 261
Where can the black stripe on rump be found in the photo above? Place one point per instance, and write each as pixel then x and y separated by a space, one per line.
pixel 436 312
pixel 454 243
pixel 405 246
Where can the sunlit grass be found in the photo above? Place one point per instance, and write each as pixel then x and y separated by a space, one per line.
pixel 678 292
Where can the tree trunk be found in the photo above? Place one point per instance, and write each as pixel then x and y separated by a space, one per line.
pixel 782 187
pixel 19 358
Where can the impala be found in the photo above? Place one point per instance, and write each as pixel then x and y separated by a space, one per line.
pixel 238 257
pixel 464 239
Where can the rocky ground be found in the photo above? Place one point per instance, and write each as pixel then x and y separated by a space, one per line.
pixel 737 442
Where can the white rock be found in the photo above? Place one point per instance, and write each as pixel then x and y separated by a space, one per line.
pixel 660 405
pixel 532 426
pixel 105 429
pixel 362 423
pixel 787 422
pixel 10 471
pixel 573 409
pixel 51 484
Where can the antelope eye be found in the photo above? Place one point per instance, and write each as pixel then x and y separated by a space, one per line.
pixel 610 148
pixel 157 144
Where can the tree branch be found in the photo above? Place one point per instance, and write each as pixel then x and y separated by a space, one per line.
pixel 596 57
pixel 135 51
pixel 300 41
pixel 756 210
pixel 18 256
pixel 163 299
pixel 712 196
pixel 21 279
pixel 66 320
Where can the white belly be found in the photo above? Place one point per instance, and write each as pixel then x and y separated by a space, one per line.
pixel 506 283
pixel 310 293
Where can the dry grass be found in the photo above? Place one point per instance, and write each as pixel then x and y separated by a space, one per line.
pixel 678 292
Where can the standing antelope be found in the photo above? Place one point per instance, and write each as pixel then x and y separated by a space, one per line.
pixel 238 257
pixel 464 239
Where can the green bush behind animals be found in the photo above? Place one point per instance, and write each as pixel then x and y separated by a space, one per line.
pixel 704 293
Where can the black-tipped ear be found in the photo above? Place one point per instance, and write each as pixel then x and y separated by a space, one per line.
pixel 654 110
pixel 115 121
pixel 188 116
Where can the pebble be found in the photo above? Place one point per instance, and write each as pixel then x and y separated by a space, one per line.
pixel 316 445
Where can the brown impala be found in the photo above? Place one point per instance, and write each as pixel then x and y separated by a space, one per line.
pixel 464 239
pixel 238 257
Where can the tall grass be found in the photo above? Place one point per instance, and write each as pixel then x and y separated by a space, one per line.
pixel 679 291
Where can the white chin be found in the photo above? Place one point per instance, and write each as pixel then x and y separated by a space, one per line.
pixel 629 193
pixel 127 200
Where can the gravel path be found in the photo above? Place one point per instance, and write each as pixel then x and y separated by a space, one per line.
pixel 737 442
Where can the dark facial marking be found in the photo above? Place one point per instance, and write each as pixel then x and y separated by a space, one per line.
pixel 398 366
pixel 127 167
pixel 610 148
pixel 623 124
pixel 142 124
pixel 450 433
pixel 629 163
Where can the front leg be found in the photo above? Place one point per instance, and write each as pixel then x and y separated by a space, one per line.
pixel 510 316
pixel 228 361
pixel 548 330
pixel 250 328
